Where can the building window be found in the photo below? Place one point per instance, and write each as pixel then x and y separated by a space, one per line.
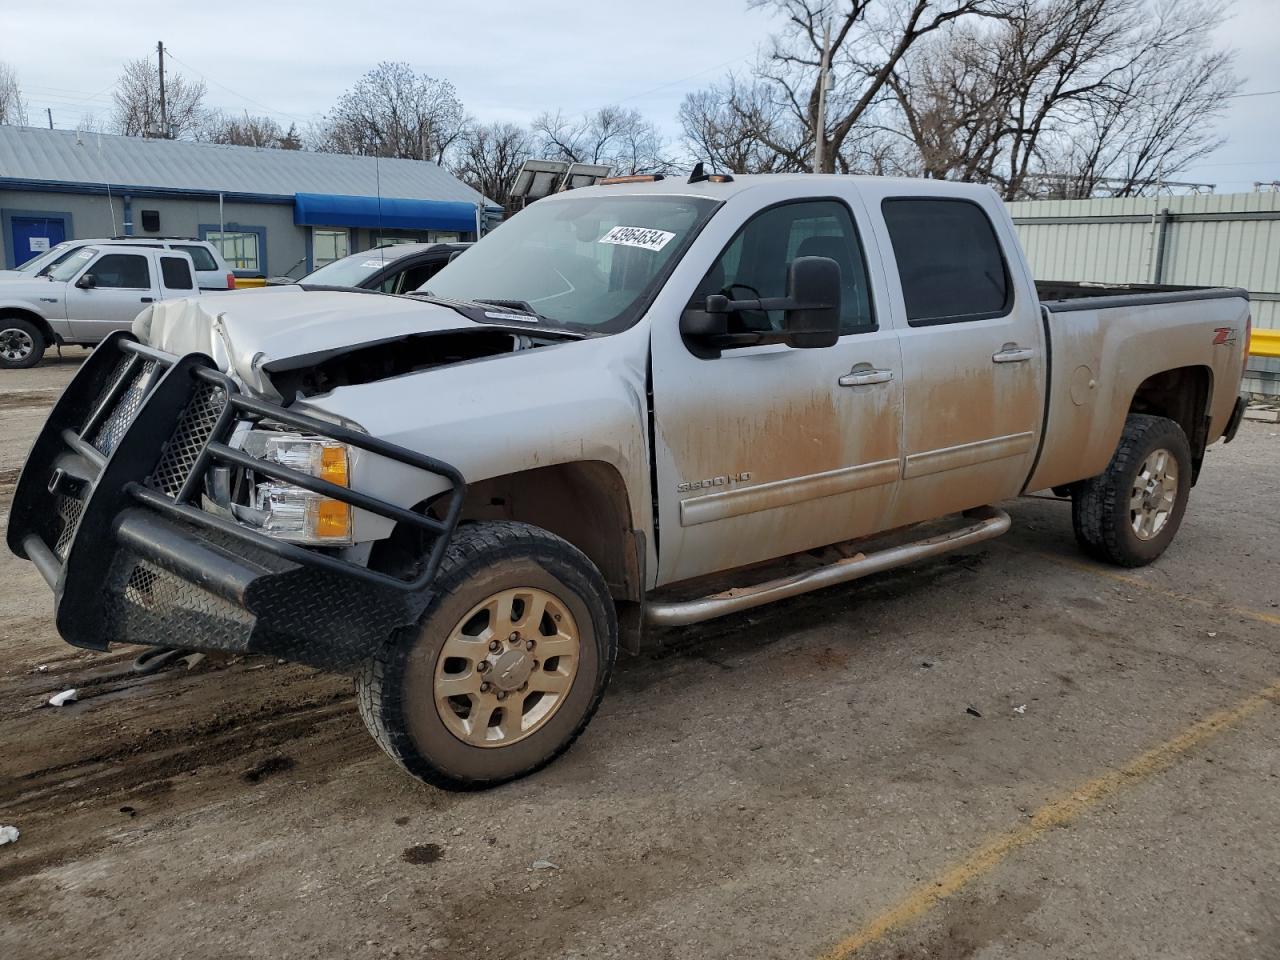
pixel 328 246
pixel 240 250
pixel 243 248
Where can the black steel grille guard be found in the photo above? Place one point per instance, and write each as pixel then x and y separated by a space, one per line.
pixel 109 513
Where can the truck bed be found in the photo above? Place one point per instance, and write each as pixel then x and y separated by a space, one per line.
pixel 1063 296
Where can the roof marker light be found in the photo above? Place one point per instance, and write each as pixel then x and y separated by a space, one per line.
pixel 635 178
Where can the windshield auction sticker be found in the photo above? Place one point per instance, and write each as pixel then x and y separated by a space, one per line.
pixel 643 237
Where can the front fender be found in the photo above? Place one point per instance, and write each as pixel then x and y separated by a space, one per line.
pixel 564 403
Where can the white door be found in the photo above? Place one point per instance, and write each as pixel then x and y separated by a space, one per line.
pixel 763 451
pixel 973 357
pixel 122 286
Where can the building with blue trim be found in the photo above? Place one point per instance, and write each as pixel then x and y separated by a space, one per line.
pixel 271 212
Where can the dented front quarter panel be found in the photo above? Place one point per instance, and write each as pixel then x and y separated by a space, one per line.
pixel 571 402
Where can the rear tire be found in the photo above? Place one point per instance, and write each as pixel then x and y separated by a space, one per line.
pixel 1128 514
pixel 21 343
pixel 536 612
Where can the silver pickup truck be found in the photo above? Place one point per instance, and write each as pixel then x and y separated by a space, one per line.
pixel 86 295
pixel 645 403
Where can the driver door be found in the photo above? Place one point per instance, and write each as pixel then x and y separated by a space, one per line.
pixel 767 450
pixel 122 288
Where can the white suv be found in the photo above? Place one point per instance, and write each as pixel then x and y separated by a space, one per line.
pixel 212 272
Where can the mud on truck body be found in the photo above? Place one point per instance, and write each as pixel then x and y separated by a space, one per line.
pixel 643 403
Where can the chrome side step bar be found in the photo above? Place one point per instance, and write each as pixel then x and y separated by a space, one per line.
pixel 988 522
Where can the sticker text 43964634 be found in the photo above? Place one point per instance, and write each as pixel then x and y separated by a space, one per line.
pixel 644 237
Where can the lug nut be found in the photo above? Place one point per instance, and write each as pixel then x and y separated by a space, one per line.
pixel 485 687
pixel 529 644
pixel 502 694
pixel 515 637
pixel 482 666
pixel 495 646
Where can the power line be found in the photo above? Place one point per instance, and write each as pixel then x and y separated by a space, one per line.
pixel 256 103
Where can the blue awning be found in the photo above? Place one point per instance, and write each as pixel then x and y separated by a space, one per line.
pixel 389 213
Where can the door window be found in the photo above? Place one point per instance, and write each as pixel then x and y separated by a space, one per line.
pixel 757 262
pixel 176 274
pixel 126 271
pixel 949 260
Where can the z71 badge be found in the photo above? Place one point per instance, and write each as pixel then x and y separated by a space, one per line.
pixel 721 481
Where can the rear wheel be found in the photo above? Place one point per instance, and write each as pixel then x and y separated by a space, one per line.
pixel 1129 514
pixel 506 666
pixel 21 343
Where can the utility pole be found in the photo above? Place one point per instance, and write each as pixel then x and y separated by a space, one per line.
pixel 820 127
pixel 164 119
pixel 49 111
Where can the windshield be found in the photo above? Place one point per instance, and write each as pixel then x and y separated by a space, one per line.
pixel 42 260
pixel 69 267
pixel 591 262
pixel 351 271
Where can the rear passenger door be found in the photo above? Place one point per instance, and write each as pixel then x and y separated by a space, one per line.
pixel 122 287
pixel 177 279
pixel 973 355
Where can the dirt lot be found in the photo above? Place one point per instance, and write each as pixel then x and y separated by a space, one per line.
pixel 806 780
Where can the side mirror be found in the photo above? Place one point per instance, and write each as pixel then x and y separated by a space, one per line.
pixel 812 318
pixel 87 281
pixel 811 313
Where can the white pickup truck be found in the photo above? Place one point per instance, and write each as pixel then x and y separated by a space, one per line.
pixel 645 403
pixel 84 297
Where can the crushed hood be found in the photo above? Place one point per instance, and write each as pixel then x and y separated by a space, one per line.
pixel 245 330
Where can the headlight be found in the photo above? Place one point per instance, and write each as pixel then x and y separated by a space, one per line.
pixel 290 512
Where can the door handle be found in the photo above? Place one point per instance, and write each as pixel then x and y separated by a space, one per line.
pixel 1012 353
pixel 864 375
pixel 147 299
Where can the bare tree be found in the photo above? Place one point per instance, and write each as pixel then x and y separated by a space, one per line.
pixel 248 131
pixel 137 102
pixel 13 108
pixel 487 158
pixel 742 127
pixel 868 39
pixel 393 111
pixel 1073 93
pixel 621 138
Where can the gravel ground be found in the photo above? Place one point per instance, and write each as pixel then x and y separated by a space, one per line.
pixel 808 779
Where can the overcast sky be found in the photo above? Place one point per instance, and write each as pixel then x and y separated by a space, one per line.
pixel 509 60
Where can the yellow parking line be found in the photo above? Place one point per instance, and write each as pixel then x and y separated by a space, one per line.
pixel 1258 615
pixel 1056 814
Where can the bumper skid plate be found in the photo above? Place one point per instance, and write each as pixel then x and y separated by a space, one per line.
pixel 108 509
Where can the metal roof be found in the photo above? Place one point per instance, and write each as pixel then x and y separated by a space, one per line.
pixel 34 154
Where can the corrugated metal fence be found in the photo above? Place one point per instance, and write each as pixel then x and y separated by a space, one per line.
pixel 1220 240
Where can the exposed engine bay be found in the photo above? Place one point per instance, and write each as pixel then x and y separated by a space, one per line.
pixel 320 373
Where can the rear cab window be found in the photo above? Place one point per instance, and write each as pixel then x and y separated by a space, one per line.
pixel 176 274
pixel 950 262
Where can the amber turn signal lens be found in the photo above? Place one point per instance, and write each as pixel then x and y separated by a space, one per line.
pixel 332 520
pixel 333 465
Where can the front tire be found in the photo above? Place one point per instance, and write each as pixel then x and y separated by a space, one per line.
pixel 21 343
pixel 506 666
pixel 1128 515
